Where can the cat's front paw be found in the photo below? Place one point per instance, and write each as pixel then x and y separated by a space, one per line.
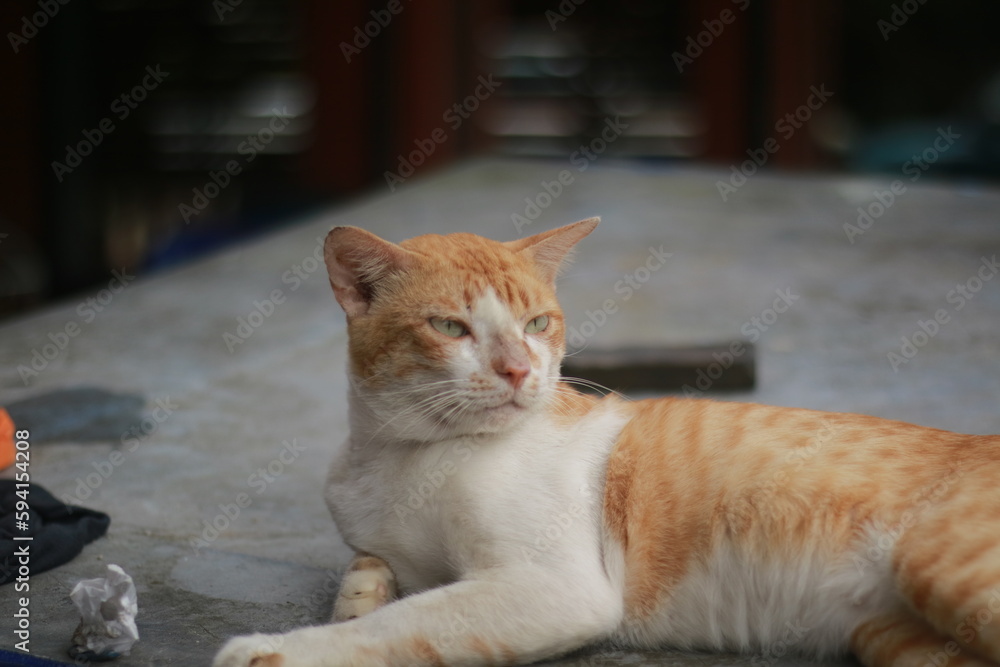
pixel 362 592
pixel 251 651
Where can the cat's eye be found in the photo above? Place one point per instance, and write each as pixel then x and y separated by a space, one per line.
pixel 537 325
pixel 449 328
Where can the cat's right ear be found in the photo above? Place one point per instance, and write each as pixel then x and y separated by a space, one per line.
pixel 357 261
pixel 550 249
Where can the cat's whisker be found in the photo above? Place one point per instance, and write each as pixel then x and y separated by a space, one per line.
pixel 569 401
pixel 456 411
pixel 421 408
pixel 590 384
pixel 561 402
pixel 414 392
pixel 449 404
pixel 432 403
pixel 399 397
pixel 359 384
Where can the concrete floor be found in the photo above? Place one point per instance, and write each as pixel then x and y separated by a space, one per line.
pixel 213 422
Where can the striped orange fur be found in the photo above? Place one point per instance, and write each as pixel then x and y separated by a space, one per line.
pixel 688 477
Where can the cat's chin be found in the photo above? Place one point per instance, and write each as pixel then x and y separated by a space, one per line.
pixel 505 412
pixel 488 420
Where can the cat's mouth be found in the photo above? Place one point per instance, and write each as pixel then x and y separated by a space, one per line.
pixel 491 415
pixel 492 412
pixel 512 404
pixel 504 411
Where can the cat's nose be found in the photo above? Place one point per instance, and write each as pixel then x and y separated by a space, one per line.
pixel 513 372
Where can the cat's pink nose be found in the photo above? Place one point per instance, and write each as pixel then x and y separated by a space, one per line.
pixel 514 372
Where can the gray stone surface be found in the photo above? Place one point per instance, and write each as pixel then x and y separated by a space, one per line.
pixel 196 424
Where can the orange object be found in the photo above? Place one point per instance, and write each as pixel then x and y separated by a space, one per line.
pixel 7 450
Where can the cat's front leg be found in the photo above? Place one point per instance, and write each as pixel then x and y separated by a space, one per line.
pixel 252 651
pixel 508 617
pixel 368 584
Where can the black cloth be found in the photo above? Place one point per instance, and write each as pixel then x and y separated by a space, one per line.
pixel 59 531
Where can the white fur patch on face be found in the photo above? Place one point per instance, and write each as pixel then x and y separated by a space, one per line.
pixel 500 333
pixel 491 317
pixel 498 338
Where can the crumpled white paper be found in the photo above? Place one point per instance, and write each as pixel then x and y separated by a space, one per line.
pixel 107 609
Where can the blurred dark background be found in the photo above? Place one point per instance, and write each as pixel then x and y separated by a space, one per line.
pixel 140 134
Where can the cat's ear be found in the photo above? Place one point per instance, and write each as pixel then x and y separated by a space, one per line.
pixel 550 249
pixel 357 261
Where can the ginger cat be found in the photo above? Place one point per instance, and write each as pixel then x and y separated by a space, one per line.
pixel 516 519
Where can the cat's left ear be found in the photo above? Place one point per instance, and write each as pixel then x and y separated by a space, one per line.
pixel 357 262
pixel 550 249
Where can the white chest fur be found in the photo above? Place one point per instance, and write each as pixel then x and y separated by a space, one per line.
pixel 437 512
